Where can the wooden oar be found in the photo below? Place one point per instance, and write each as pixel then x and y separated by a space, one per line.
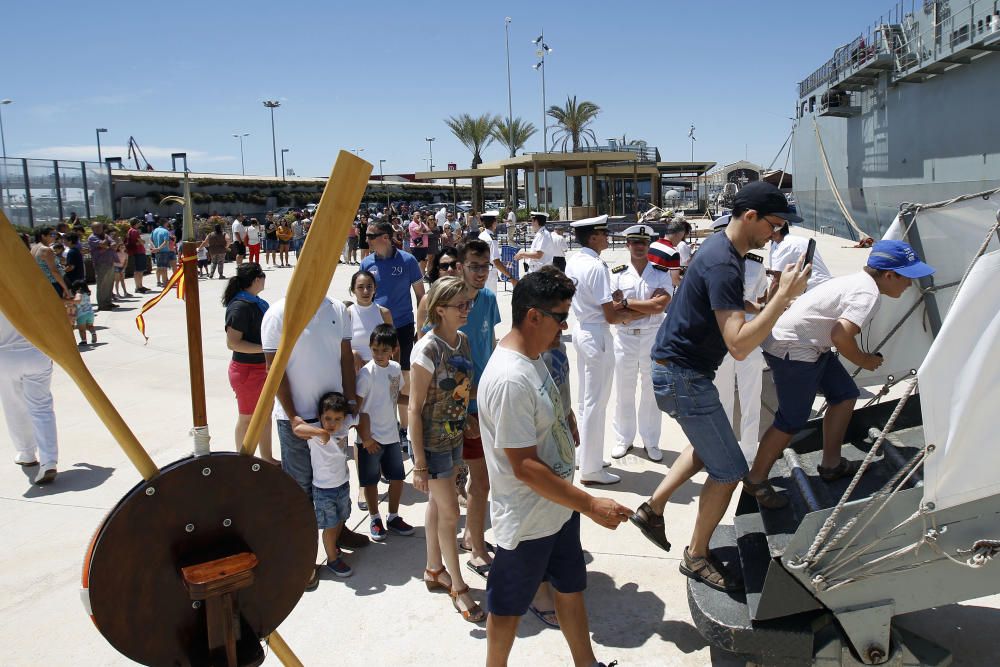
pixel 311 278
pixel 32 306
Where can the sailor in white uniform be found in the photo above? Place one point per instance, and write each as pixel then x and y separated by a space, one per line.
pixel 595 312
pixel 746 376
pixel 489 235
pixel 542 245
pixel 644 288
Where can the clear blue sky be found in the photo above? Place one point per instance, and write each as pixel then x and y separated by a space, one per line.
pixel 185 76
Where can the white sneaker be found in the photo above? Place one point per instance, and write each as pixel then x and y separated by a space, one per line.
pixel 654 453
pixel 600 477
pixel 620 451
pixel 45 474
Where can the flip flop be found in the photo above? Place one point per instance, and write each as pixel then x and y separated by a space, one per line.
pixel 482 570
pixel 489 547
pixel 547 617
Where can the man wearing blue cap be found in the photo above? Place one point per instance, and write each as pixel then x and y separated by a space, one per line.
pixel 802 362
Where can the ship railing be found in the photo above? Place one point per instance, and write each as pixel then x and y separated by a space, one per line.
pixel 948 32
pixel 898 32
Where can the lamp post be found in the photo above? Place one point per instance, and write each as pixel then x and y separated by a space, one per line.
pixel 430 151
pixel 510 114
pixel 283 151
pixel 691 137
pixel 272 105
pixel 542 51
pixel 243 168
pixel 381 176
pixel 3 141
pixel 358 151
pixel 98 133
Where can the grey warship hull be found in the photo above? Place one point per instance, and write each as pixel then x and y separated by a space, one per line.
pixel 905 113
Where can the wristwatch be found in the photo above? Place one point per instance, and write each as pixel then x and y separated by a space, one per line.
pixel 625 302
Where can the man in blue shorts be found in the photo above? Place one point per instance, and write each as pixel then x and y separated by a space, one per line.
pixel 706 320
pixel 799 353
pixel 396 273
pixel 160 238
pixel 530 454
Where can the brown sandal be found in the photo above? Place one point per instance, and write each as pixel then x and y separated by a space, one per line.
pixel 474 614
pixel 710 571
pixel 765 494
pixel 434 583
pixel 845 468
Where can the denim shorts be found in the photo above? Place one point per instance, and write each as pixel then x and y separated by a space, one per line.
pixel 441 465
pixel 163 260
pixel 691 399
pixel 270 245
pixel 388 461
pixel 295 459
pixel 516 574
pixel 333 506
pixel 796 383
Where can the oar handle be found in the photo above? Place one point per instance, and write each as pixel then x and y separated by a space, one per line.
pixel 282 651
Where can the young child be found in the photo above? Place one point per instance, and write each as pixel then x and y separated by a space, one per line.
pixel 379 388
pixel 202 261
pixel 121 259
pixel 331 483
pixel 84 313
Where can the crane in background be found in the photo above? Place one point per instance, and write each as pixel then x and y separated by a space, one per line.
pixel 134 153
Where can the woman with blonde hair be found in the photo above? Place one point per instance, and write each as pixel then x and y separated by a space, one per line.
pixel 440 391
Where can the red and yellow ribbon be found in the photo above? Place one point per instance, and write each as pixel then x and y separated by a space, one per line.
pixel 176 281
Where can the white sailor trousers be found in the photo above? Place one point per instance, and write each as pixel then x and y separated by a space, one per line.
pixel 633 366
pixel 748 376
pixel 25 379
pixel 595 360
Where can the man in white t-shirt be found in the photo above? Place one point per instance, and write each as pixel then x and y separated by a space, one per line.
pixel 542 246
pixel 529 453
pixel 489 223
pixel 239 244
pixel 511 218
pixel 799 352
pixel 325 344
pixel 786 250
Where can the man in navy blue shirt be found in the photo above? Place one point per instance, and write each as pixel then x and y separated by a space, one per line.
pixel 396 273
pixel 704 322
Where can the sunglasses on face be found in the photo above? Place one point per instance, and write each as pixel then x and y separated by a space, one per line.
pixel 558 318
pixel 446 266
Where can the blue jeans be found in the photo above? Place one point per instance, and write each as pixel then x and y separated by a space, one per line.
pixel 388 460
pixel 295 456
pixel 691 399
pixel 332 506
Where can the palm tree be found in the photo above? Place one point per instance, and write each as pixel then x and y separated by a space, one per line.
pixel 573 120
pixel 475 133
pixel 514 136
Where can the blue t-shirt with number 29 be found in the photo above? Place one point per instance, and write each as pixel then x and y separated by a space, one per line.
pixel 393 277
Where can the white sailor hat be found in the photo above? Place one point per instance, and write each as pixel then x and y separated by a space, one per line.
pixel 640 233
pixel 490 214
pixel 539 214
pixel 719 223
pixel 598 223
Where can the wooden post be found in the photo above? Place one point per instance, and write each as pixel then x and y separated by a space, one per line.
pixel 192 307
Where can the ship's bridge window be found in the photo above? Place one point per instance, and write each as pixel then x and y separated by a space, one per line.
pixel 802 111
pixel 812 104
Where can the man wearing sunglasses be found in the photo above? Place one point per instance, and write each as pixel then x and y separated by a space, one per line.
pixel 707 319
pixel 595 311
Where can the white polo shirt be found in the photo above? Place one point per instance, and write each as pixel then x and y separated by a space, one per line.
pixel 543 242
pixel 641 287
pixel 754 283
pixel 314 366
pixel 486 236
pixel 593 286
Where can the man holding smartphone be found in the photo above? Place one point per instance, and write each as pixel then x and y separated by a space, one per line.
pixel 799 352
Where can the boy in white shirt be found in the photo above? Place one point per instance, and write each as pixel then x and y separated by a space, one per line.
pixel 380 388
pixel 331 482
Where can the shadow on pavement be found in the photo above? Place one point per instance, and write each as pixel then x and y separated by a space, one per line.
pixel 81 477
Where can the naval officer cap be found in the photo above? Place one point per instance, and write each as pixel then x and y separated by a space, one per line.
pixel 600 223
pixel 639 233
pixel 720 223
pixel 542 217
pixel 490 214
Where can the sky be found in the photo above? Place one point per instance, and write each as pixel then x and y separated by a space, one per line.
pixel 383 76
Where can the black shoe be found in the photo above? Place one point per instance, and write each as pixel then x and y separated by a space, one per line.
pixel 766 495
pixel 350 540
pixel 652 526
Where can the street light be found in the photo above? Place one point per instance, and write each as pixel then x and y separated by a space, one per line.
pixel 381 176
pixel 272 105
pixel 98 133
pixel 243 168
pixel 283 151
pixel 430 151
pixel 2 139
pixel 510 110
pixel 358 151
pixel 543 50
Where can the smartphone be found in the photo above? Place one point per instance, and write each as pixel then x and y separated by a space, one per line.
pixel 810 251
